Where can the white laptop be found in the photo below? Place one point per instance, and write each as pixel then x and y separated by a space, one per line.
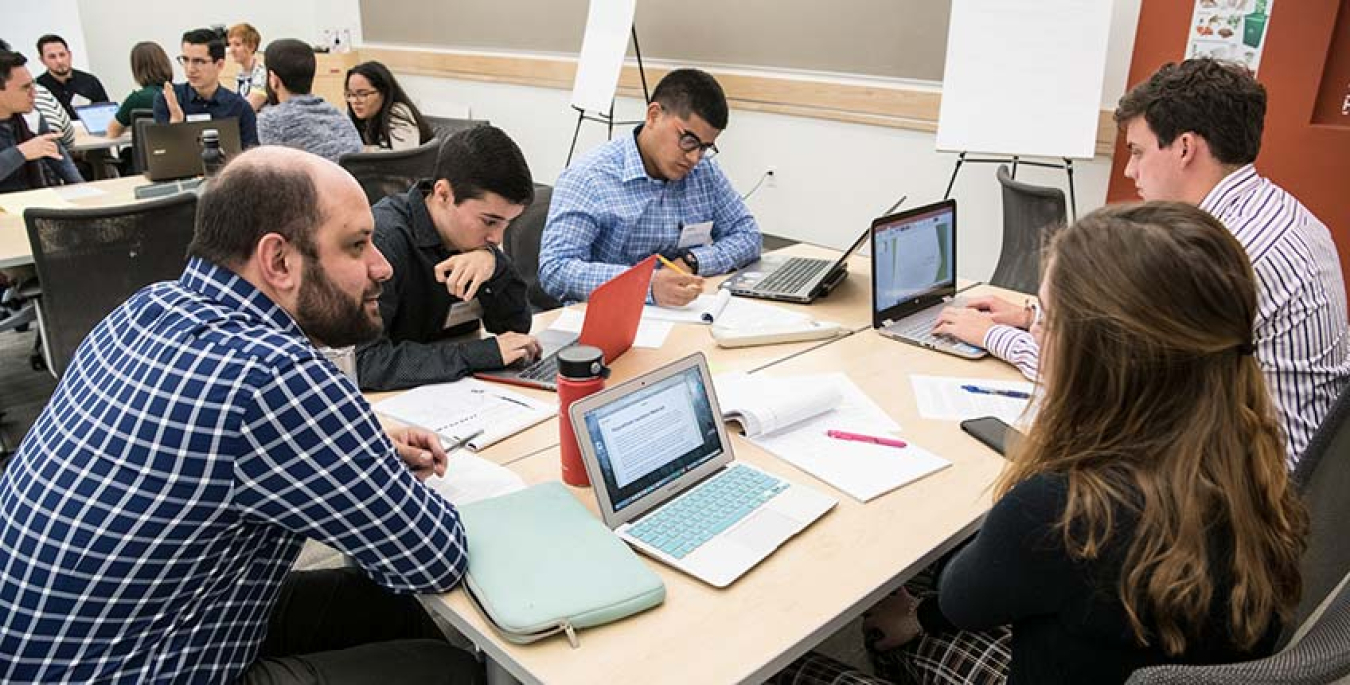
pixel 661 464
pixel 96 117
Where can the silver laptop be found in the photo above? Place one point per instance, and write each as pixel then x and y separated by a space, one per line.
pixel 659 459
pixel 914 276
pixel 174 151
pixel 792 279
pixel 96 117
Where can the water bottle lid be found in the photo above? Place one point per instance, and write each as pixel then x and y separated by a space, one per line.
pixel 210 135
pixel 582 362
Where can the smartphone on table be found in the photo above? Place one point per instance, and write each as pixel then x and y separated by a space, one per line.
pixel 993 432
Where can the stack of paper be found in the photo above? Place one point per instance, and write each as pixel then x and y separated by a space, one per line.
pixel 460 409
pixel 725 310
pixel 799 436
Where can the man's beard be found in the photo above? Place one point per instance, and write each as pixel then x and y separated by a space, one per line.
pixel 327 315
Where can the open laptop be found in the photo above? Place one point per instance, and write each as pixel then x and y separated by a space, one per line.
pixel 96 117
pixel 914 276
pixel 792 279
pixel 613 313
pixel 657 453
pixel 174 151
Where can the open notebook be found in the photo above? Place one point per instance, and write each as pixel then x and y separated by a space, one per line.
pixel 790 418
pixel 457 410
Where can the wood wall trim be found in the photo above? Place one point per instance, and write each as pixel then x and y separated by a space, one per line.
pixel 901 107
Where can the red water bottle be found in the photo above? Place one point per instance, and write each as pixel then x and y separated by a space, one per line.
pixel 581 372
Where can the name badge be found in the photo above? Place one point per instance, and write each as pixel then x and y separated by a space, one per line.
pixel 197 117
pixel 463 312
pixel 696 235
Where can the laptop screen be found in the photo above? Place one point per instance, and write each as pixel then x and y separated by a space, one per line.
pixel 913 256
pixel 648 438
pixel 97 117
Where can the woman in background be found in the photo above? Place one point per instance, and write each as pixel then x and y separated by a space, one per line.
pixel 381 111
pixel 1148 516
pixel 251 82
pixel 150 68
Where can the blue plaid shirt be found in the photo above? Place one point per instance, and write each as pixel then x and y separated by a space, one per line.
pixel 194 443
pixel 607 214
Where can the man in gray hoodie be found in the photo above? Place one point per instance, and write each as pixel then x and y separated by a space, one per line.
pixel 298 118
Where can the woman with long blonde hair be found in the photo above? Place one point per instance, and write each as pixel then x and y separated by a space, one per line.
pixel 1147 517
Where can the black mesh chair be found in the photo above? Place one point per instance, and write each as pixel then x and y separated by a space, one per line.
pixel 444 127
pixel 522 244
pixel 1028 213
pixel 382 174
pixel 137 138
pixel 91 260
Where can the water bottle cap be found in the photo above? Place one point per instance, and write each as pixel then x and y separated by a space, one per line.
pixel 582 362
pixel 210 135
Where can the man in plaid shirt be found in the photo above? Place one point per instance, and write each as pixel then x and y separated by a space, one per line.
pixel 656 191
pixel 150 519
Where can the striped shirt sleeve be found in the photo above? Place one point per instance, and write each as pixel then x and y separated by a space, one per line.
pixel 1015 346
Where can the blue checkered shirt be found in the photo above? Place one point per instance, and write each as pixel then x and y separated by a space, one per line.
pixel 607 214
pixel 195 442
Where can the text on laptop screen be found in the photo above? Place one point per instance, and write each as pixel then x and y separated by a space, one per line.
pixel 913 257
pixel 652 436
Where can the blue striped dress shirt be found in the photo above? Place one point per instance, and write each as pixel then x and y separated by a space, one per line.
pixel 1302 338
pixel 195 442
pixel 607 214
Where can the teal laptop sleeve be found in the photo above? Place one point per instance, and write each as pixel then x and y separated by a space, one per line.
pixel 540 564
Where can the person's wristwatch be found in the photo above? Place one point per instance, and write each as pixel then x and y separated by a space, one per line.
pixel 691 259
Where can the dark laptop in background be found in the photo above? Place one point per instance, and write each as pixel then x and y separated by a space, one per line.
pixel 914 276
pixel 613 313
pixel 96 117
pixel 174 151
pixel 792 279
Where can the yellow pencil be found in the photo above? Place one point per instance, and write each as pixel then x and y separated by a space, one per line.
pixel 672 265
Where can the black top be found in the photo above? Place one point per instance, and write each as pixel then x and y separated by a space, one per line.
pixel 1068 624
pixel 80 83
pixel 414 349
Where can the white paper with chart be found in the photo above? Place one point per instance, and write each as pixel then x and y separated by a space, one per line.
pixel 456 410
pixel 790 417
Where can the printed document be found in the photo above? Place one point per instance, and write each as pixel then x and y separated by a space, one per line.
pixel 457 410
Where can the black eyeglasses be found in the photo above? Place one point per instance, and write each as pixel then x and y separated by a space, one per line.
pixel 690 142
pixel 193 61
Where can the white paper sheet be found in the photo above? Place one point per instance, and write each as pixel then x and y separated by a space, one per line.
pixel 725 310
pixel 456 410
pixel 608 25
pixel 651 334
pixel 469 478
pixel 942 398
pixel 77 191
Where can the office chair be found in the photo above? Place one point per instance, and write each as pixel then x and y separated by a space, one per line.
pixel 1320 656
pixel 521 243
pixel 382 174
pixel 138 138
pixel 1029 212
pixel 89 261
pixel 444 127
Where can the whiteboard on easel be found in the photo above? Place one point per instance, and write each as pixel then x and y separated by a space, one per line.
pixel 608 24
pixel 1024 77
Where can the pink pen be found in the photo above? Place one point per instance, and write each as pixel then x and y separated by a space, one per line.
pixel 858 437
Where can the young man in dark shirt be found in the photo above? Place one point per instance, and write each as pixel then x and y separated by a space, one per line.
pixel 202 97
pixel 71 86
pixel 443 239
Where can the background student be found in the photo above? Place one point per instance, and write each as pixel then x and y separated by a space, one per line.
pixel 202 59
pixel 250 83
pixel 71 86
pixel 299 118
pixel 382 112
pixel 1147 517
pixel 151 69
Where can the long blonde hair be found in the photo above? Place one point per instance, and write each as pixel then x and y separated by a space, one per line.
pixel 1154 406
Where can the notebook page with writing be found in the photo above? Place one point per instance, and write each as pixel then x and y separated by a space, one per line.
pixel 455 410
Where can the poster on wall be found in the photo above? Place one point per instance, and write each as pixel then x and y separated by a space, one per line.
pixel 1232 30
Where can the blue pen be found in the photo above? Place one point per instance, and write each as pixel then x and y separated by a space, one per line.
pixel 1016 394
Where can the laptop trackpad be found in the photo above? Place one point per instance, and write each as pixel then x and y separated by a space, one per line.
pixel 764 530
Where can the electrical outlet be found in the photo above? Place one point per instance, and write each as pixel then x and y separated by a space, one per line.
pixel 771 177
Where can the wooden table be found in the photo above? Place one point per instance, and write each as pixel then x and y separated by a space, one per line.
pixel 812 586
pixel 14 247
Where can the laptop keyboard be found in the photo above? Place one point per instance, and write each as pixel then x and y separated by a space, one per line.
pixel 920 327
pixel 684 524
pixel 546 369
pixel 792 275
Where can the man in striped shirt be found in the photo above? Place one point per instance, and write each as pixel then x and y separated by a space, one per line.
pixel 150 518
pixel 1193 131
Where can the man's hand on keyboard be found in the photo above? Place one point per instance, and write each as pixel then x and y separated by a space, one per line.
pixel 517 347
pixel 671 288
pixel 965 324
